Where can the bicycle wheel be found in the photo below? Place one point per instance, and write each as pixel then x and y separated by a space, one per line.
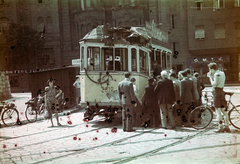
pixel 31 114
pixel 10 116
pixel 200 117
pixel 234 116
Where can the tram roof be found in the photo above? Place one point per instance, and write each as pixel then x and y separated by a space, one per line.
pixel 103 32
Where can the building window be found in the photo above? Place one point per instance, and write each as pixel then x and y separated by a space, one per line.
pixel 199 32
pixel 237 29
pixel 199 5
pixel 49 28
pixel 237 3
pixel 175 49
pixel 219 31
pixel 217 4
pixel 172 20
pixel 40 27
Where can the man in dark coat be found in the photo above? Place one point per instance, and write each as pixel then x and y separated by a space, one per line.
pixel 186 97
pixel 128 101
pixel 157 69
pixel 166 97
pixel 200 87
pixel 150 104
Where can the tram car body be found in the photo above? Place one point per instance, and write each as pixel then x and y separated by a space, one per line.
pixel 106 53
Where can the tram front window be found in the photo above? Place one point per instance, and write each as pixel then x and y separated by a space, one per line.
pixel 143 62
pixel 93 58
pixel 82 58
pixel 121 59
pixel 107 59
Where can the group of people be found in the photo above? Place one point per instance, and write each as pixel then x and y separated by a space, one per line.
pixel 168 98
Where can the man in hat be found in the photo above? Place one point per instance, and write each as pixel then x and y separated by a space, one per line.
pixel 128 101
pixel 150 104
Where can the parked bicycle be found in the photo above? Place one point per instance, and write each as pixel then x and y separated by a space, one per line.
pixel 202 116
pixel 9 113
pixel 36 107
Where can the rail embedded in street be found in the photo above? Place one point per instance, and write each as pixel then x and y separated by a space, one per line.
pixel 9 114
pixel 202 116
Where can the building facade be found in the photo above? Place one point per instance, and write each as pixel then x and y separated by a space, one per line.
pixel 199 31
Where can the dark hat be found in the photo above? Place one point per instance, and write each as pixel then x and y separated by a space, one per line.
pixel 150 80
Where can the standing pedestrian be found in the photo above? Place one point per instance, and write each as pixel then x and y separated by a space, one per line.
pixel 52 96
pixel 150 104
pixel 186 97
pixel 139 105
pixel 200 87
pixel 217 79
pixel 180 76
pixel 128 101
pixel 176 106
pixel 195 91
pixel 166 98
pixel 157 69
pixel 77 85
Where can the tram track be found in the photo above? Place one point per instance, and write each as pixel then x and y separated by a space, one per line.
pixel 9 138
pixel 154 152
pixel 6 150
pixel 115 143
pixel 150 153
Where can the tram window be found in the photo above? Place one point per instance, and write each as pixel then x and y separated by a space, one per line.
pixel 93 58
pixel 143 62
pixel 121 59
pixel 82 58
pixel 107 59
pixel 158 57
pixel 168 61
pixel 164 60
pixel 134 60
pixel 152 59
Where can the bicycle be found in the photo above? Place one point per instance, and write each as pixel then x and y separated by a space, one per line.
pixel 202 116
pixel 9 114
pixel 36 107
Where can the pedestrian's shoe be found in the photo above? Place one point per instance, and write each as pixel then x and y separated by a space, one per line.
pixel 227 129
pixel 221 130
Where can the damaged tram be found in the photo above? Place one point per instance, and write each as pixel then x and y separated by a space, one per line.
pixel 106 53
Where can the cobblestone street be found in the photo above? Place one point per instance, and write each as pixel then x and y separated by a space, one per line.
pixel 97 141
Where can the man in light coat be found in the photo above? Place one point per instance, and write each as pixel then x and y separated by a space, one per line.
pixel 128 101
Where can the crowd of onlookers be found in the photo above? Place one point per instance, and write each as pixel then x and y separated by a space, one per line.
pixel 168 99
pixel 174 96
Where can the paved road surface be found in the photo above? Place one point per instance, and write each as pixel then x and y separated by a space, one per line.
pixel 97 141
